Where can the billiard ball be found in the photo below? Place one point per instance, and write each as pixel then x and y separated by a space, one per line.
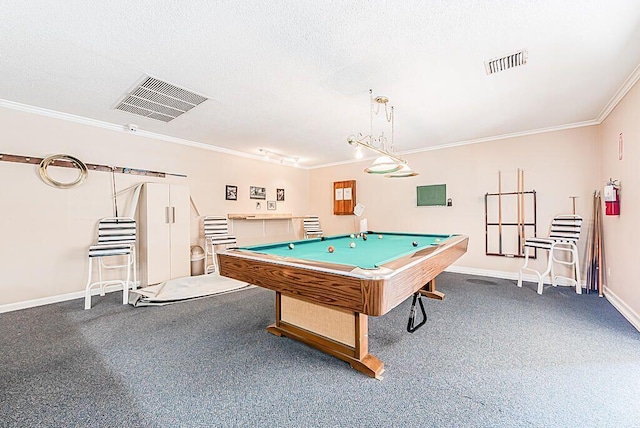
pixel 352 245
pixel 379 236
pixel 331 249
pixel 364 237
pixel 291 246
pixel 414 243
pixel 352 236
pixel 322 238
pixel 437 239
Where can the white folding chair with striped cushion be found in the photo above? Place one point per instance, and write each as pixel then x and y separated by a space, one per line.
pixel 565 233
pixel 311 225
pixel 216 232
pixel 116 240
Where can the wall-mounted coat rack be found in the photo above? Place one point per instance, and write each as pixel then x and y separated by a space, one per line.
pixel 90 166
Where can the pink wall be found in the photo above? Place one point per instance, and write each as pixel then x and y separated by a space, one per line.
pixel 622 233
pixel 556 164
pixel 46 231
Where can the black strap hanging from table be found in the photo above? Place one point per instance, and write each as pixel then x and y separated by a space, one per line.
pixel 411 327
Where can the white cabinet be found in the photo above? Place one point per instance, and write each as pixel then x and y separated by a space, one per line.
pixel 163 228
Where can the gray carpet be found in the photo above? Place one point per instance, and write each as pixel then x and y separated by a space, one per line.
pixel 491 355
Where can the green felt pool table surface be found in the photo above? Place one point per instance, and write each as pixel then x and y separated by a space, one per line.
pixel 377 249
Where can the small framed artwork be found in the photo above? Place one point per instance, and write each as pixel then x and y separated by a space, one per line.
pixel 271 205
pixel 279 195
pixel 231 193
pixel 257 192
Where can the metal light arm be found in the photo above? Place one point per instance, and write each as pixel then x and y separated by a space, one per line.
pixel 361 142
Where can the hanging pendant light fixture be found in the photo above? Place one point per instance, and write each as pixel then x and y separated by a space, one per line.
pixel 404 171
pixel 383 165
pixel 388 162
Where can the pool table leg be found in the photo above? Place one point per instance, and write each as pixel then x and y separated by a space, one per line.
pixel 356 353
pixel 430 291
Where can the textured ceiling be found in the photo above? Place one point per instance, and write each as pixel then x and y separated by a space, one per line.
pixel 294 76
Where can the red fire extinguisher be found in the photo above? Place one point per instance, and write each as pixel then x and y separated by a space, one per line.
pixel 612 198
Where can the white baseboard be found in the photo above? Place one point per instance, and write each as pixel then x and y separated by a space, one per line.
pixel 55 299
pixel 631 316
pixel 622 307
pixel 507 275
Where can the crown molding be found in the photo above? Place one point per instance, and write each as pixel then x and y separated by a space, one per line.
pixel 620 93
pixel 613 102
pixel 140 133
pixel 474 141
pixel 506 136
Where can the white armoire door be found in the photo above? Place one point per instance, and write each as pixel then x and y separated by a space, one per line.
pixel 164 228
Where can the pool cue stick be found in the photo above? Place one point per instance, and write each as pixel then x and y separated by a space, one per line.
pixel 594 256
pixel 519 212
pixel 499 212
pixel 522 212
pixel 594 244
pixel 600 266
pixel 594 250
pixel 589 252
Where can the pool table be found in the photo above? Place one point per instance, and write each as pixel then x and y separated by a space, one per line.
pixel 327 287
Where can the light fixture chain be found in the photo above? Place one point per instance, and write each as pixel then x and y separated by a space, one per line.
pixel 389 163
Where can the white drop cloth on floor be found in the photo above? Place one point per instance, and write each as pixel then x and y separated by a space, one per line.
pixel 187 288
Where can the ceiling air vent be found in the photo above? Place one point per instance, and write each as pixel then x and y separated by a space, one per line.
pixel 159 100
pixel 503 63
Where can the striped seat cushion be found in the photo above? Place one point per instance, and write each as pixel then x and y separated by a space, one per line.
pixel 117 230
pixel 222 239
pixel 116 237
pixel 564 229
pixel 543 243
pixel 216 230
pixel 311 226
pixel 104 250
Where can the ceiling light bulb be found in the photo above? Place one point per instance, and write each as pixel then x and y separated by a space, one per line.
pixel 359 153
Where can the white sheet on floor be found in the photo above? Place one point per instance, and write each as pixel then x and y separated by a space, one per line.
pixel 187 288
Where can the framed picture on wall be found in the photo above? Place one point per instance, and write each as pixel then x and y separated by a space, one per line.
pixel 279 195
pixel 231 193
pixel 257 192
pixel 271 205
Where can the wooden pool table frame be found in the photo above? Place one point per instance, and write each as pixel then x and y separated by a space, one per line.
pixel 337 299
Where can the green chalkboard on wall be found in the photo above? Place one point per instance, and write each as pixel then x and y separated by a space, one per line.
pixel 433 195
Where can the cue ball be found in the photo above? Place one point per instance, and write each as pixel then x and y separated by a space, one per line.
pixel 414 243
pixel 379 236
pixel 437 239
pixel 352 236
pixel 352 245
pixel 291 246
pixel 364 237
pixel 331 249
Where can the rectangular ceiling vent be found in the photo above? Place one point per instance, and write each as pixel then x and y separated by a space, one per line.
pixel 159 100
pixel 506 62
